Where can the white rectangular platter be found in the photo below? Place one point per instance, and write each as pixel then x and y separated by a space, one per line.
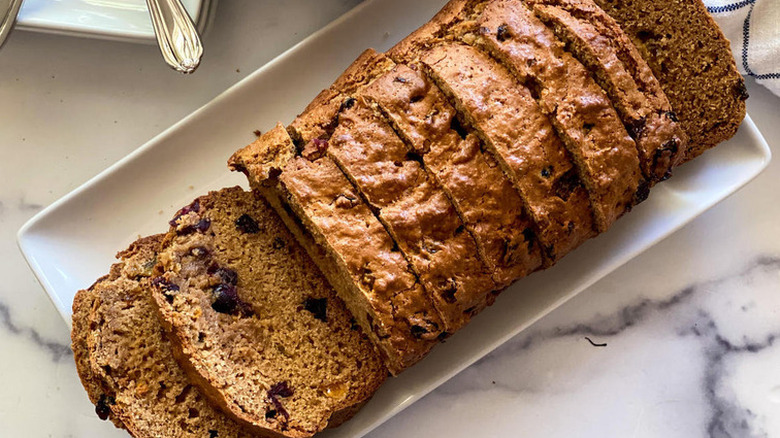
pixel 125 20
pixel 73 241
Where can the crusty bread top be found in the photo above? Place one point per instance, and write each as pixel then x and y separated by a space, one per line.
pixel 485 200
pixel 318 118
pixel 508 119
pixel 598 42
pixel 349 244
pixel 415 211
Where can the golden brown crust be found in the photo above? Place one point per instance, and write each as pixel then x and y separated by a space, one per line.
pixel 692 60
pixel 485 199
pixel 389 300
pixel 578 108
pixel 511 124
pixel 319 117
pixel 260 162
pixel 415 211
pixel 599 43
pixel 443 27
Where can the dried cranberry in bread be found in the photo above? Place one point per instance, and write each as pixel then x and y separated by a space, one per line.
pixel 257 327
pixel 342 235
pixel 143 384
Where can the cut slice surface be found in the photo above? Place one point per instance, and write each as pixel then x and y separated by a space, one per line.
pixel 258 327
pixel 415 211
pixel 485 199
pixel 149 392
pixel 351 246
pixel 599 43
pixel 509 121
pixel 692 60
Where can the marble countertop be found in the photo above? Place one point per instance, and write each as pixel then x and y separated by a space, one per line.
pixel 683 341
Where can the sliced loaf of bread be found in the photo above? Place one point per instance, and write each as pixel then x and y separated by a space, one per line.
pixel 255 324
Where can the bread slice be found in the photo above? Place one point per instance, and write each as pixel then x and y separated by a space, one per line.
pixel 484 198
pixel 599 43
pixel 692 60
pixel 507 118
pixel 318 120
pixel 351 247
pixel 96 388
pixel 415 211
pixel 258 329
pixel 144 386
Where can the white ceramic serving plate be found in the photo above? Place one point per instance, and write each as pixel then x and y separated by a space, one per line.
pixel 125 20
pixel 73 241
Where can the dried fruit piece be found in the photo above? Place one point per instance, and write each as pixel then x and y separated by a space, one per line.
pixel 280 390
pixel 318 307
pixel 102 408
pixel 247 225
pixel 227 275
pixel 225 298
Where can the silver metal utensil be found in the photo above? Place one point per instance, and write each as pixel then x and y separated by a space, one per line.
pixel 9 9
pixel 176 34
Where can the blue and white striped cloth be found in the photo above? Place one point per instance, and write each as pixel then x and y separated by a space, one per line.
pixel 753 27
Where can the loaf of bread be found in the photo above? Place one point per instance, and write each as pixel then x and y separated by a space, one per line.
pixel 257 327
pixel 486 145
pixel 549 97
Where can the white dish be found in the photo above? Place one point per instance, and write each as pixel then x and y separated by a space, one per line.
pixel 126 20
pixel 72 242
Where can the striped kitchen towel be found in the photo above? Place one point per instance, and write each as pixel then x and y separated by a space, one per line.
pixel 753 27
